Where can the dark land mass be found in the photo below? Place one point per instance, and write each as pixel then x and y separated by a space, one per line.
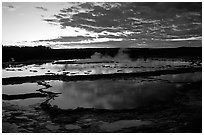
pixel 22 96
pixel 41 53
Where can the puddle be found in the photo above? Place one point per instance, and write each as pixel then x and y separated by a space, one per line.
pixel 26 102
pixel 30 70
pixel 119 125
pixel 20 88
pixel 24 88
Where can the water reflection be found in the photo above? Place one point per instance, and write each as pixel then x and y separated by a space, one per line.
pixel 20 88
pixel 118 125
pixel 185 77
pixel 109 94
pixel 27 102
pixel 120 94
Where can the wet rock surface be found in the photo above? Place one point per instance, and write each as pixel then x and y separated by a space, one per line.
pixel 72 127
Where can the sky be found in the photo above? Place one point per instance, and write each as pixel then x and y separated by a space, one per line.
pixel 102 24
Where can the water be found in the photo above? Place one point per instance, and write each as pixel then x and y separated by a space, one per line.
pixel 20 88
pixel 111 94
pixel 107 94
pixel 24 88
pixel 118 125
pixel 27 102
pixel 91 68
pixel 185 77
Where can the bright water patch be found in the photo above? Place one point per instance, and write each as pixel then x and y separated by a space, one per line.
pixel 69 69
pixel 20 88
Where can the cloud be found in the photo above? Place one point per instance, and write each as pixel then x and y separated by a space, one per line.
pixel 143 18
pixel 10 7
pixel 133 21
pixel 78 40
pixel 185 39
pixel 66 39
pixel 42 8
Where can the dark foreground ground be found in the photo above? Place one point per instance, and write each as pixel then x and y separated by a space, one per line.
pixel 183 115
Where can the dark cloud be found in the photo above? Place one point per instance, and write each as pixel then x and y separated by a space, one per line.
pixel 42 8
pixel 10 6
pixel 67 39
pixel 146 20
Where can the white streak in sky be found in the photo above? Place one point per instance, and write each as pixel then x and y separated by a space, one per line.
pixel 184 39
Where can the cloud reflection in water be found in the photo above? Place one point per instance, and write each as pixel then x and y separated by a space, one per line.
pixel 110 94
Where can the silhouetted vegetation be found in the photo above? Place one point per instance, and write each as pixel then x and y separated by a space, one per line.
pixel 14 53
